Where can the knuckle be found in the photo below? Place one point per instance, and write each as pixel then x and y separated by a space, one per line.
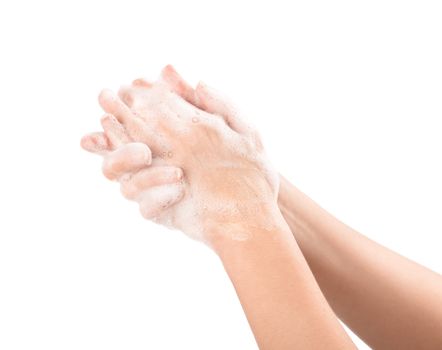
pixel 203 128
pixel 141 152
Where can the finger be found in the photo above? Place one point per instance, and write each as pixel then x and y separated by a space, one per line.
pixel 112 104
pixel 203 97
pixel 114 131
pixel 178 85
pixel 127 94
pixel 96 142
pixel 132 184
pixel 212 102
pixel 141 82
pixel 156 200
pixel 136 128
pixel 127 158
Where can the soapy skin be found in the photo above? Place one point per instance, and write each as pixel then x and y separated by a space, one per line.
pixel 115 136
pixel 227 176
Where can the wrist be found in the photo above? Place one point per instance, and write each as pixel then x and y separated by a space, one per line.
pixel 306 219
pixel 231 234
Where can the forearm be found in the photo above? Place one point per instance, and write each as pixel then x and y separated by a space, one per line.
pixel 388 300
pixel 284 305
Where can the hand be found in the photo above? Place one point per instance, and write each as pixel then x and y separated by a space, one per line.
pixel 228 178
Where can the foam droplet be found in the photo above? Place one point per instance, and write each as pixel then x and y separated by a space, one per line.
pixel 170 154
pixel 195 120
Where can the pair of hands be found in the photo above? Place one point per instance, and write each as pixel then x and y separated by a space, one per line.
pixel 186 157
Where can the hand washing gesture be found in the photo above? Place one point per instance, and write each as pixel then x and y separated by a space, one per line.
pixel 228 180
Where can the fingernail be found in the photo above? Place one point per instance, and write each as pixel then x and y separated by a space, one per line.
pixel 148 157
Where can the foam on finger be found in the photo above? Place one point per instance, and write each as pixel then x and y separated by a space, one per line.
pixel 112 104
pixel 114 130
pixel 154 201
pixel 178 85
pixel 127 158
pixel 96 142
pixel 213 102
pixel 134 125
pixel 154 176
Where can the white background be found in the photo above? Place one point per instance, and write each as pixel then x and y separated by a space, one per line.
pixel 347 95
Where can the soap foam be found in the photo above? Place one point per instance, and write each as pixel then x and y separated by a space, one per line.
pixel 243 192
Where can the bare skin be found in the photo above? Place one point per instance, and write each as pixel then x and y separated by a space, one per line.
pixel 389 301
pixel 228 200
